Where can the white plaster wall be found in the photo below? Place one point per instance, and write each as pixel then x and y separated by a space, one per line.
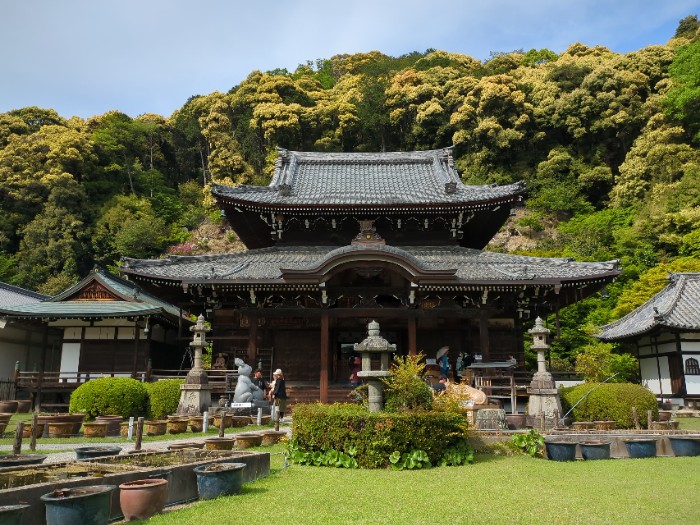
pixel 70 357
pixel 650 375
pixel 73 332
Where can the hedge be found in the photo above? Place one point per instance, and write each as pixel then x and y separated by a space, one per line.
pixel 371 437
pixel 163 397
pixel 610 402
pixel 120 396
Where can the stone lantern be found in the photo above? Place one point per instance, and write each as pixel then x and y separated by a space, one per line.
pixel 544 396
pixel 195 394
pixel 374 344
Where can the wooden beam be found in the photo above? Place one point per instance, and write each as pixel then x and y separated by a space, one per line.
pixel 484 337
pixel 412 325
pixel 325 344
pixel 252 339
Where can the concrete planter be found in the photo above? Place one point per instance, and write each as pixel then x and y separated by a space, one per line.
pixel 60 429
pixel 27 430
pixel 177 425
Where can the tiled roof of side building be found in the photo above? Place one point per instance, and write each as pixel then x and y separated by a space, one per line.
pixel 369 179
pixel 677 306
pixel 265 264
pixel 13 295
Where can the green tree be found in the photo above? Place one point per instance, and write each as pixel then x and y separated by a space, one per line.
pixel 597 362
pixel 683 99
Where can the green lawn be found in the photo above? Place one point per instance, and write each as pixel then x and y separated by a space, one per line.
pixel 494 490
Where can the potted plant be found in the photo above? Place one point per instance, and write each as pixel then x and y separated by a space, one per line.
pixel 248 439
pixel 83 453
pixel 219 479
pixel 89 505
pixel 685 445
pixel 143 498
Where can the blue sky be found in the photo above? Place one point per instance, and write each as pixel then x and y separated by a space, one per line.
pixel 87 57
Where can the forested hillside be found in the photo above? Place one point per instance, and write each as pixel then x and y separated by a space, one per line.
pixel 606 143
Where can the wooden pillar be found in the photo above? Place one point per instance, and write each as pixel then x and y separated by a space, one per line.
pixel 137 336
pixel 485 350
pixel 412 336
pixel 252 339
pixel 42 368
pixel 325 355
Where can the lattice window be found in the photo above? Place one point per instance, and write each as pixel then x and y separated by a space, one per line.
pixel 691 367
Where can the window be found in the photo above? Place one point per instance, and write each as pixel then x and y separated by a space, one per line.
pixel 691 367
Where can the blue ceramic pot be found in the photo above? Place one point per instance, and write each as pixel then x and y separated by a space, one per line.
pixel 89 505
pixel 219 479
pixel 560 451
pixel 641 448
pixel 685 446
pixel 595 450
pixel 12 514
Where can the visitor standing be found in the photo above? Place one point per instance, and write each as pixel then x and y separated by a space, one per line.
pixel 260 382
pixel 279 392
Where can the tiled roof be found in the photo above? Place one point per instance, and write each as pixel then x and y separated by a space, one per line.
pixel 371 179
pixel 675 307
pixel 136 302
pixel 265 264
pixel 14 295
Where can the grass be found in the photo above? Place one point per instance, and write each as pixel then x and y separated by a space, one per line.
pixel 494 490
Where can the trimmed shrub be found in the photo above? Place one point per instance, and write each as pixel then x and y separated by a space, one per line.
pixel 163 397
pixel 106 396
pixel 372 437
pixel 610 401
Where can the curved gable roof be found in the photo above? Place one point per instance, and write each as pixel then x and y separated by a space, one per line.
pixel 367 179
pixel 676 307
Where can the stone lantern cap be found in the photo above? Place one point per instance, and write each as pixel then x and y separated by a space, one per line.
pixel 539 335
pixel 374 343
pixel 199 330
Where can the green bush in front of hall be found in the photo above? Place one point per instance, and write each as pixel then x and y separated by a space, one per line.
pixel 163 397
pixel 610 402
pixel 372 439
pixel 119 396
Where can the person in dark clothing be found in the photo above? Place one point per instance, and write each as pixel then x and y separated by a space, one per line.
pixel 279 392
pixel 441 386
pixel 260 382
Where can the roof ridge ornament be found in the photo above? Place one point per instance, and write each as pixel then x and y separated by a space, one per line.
pixel 368 234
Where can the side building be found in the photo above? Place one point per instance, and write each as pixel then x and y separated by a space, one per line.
pixel 665 334
pixel 340 239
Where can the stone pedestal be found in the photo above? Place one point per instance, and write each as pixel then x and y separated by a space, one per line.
pixel 195 394
pixel 544 396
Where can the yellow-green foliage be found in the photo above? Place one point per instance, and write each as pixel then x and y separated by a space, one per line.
pixel 610 402
pixel 373 437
